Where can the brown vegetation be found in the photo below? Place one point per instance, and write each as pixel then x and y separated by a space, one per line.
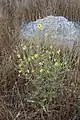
pixel 32 10
pixel 12 88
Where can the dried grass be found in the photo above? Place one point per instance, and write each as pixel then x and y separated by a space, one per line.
pixel 12 89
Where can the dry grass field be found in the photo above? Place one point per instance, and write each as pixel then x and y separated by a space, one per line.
pixel 24 98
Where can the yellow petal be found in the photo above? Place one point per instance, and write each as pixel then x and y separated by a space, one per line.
pixel 39 26
pixel 41 70
pixel 56 64
pixel 36 55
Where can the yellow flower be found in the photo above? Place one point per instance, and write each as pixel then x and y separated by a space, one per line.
pixel 46 34
pixel 48 71
pixel 50 47
pixel 58 52
pixel 20 65
pixel 24 57
pixel 49 57
pixel 65 63
pixel 56 64
pixel 36 55
pixel 20 71
pixel 29 59
pixel 40 63
pixel 41 70
pixel 47 51
pixel 54 60
pixel 27 71
pixel 18 75
pixel 32 58
pixel 32 71
pixel 68 69
pixel 20 60
pixel 39 26
pixel 61 64
pixel 18 55
pixel 53 52
pixel 24 48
